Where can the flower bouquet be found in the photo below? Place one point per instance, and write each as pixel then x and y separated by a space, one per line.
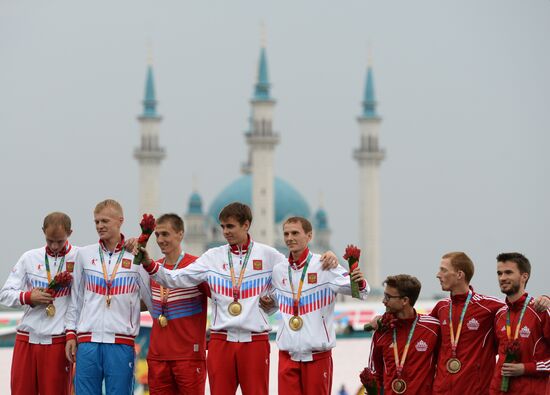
pixel 385 322
pixel 512 355
pixel 147 225
pixel 368 379
pixel 61 280
pixel 352 256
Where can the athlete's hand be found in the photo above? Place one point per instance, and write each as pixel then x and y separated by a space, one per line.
pixel 357 276
pixel 267 303
pixel 130 244
pixel 146 259
pixel 373 324
pixel 542 303
pixel 329 260
pixel 513 369
pixel 70 350
pixel 38 296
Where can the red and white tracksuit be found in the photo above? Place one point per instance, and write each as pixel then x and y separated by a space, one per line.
pixel 305 361
pixel 476 347
pixel 418 371
pixel 177 353
pixel 39 364
pixel 534 339
pixel 238 351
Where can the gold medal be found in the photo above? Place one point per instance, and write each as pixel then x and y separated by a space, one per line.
pixel 235 308
pixel 163 321
pixel 50 310
pixel 453 365
pixel 108 301
pixel 399 386
pixel 295 323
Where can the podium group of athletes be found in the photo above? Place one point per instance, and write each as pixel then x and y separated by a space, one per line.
pixel 91 324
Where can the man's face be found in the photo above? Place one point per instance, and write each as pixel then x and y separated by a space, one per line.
pixel 168 239
pixel 447 275
pixel 296 239
pixel 510 279
pixel 392 300
pixel 56 237
pixel 108 223
pixel 234 232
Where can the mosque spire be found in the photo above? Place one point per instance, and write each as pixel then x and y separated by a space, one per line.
pixel 369 99
pixel 261 89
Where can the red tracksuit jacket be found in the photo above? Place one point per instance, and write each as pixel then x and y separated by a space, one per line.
pixel 419 368
pixel 476 346
pixel 534 337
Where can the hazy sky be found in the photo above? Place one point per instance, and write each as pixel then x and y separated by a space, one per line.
pixel 463 88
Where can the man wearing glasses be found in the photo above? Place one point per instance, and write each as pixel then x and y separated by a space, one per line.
pixel 403 354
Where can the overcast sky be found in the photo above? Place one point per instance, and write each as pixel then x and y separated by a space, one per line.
pixel 463 88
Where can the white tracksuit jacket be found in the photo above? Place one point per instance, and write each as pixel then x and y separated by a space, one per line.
pixel 317 302
pixel 213 268
pixel 88 316
pixel 30 272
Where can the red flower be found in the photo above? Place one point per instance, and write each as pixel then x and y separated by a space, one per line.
pixel 388 321
pixel 147 224
pixel 143 239
pixel 352 253
pixel 61 280
pixel 368 379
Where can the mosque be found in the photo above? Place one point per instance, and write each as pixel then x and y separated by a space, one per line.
pixel 271 198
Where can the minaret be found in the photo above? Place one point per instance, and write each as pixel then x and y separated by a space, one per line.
pixel 261 140
pixel 369 156
pixel 195 238
pixel 149 154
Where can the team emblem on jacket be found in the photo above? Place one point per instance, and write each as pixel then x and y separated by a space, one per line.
pixel 257 264
pixel 421 346
pixel 312 278
pixel 126 263
pixel 444 322
pixel 70 266
pixel 473 325
pixel 524 332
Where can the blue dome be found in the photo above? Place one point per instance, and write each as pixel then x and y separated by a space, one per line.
pixel 195 204
pixel 288 201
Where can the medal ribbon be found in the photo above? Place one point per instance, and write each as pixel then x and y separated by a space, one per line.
pixel 164 292
pixel 115 270
pixel 509 326
pixel 296 298
pixel 237 286
pixel 399 366
pixel 48 266
pixel 454 340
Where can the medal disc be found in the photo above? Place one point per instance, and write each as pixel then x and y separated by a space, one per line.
pixel 108 301
pixel 50 310
pixel 453 365
pixel 234 308
pixel 399 386
pixel 163 321
pixel 295 323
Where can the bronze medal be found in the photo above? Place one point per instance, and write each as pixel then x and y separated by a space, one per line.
pixel 399 386
pixel 163 321
pixel 108 301
pixel 235 308
pixel 50 310
pixel 295 323
pixel 453 365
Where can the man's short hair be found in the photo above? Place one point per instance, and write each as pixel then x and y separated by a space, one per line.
pixel 57 219
pixel 241 212
pixel 406 285
pixel 306 225
pixel 174 219
pixel 109 203
pixel 460 261
pixel 521 261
